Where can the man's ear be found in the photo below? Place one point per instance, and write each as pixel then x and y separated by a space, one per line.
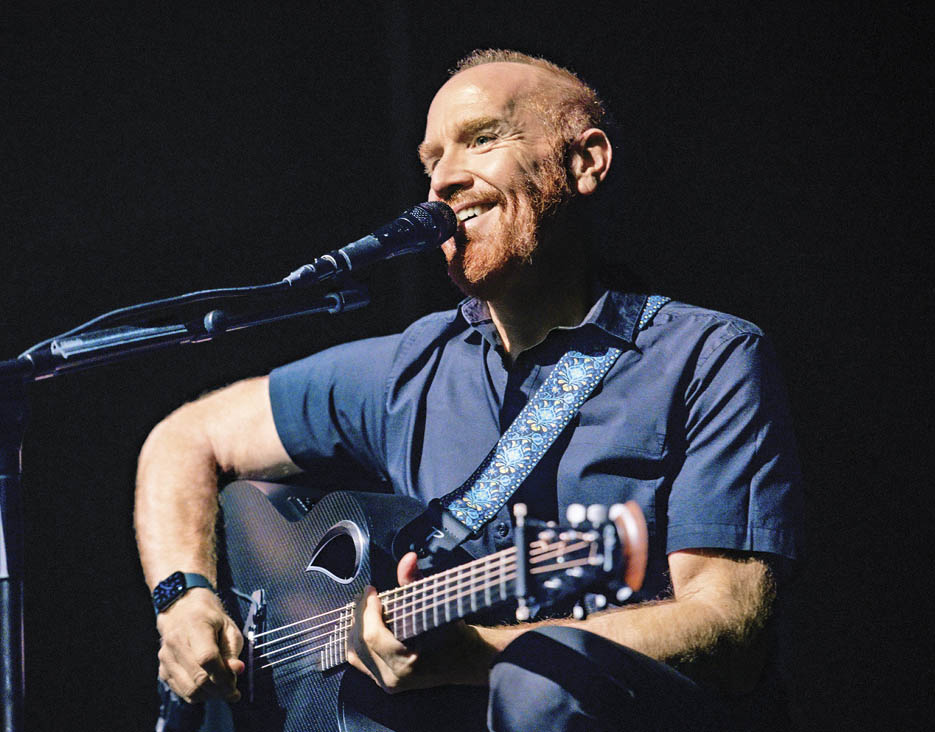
pixel 589 160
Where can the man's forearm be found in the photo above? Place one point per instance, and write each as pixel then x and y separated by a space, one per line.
pixel 176 501
pixel 714 631
pixel 230 431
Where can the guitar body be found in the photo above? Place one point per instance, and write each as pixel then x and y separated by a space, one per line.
pixel 294 560
pixel 310 561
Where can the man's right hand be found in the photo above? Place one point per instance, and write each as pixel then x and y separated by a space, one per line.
pixel 200 648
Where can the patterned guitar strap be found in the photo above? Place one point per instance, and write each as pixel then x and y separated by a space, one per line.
pixel 463 513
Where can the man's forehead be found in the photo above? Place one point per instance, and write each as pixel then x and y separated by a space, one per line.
pixel 490 89
pixel 500 81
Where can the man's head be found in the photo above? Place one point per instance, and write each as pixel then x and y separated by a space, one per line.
pixel 510 141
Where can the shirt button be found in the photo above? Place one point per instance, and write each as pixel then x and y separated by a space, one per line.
pixel 503 528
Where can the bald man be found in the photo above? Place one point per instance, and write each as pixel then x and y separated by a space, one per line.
pixel 690 422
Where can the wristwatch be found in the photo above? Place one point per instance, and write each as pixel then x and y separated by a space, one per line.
pixel 176 585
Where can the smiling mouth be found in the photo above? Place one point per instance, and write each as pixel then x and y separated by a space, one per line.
pixel 470 212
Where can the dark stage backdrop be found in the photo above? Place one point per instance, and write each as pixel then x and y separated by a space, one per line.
pixel 772 166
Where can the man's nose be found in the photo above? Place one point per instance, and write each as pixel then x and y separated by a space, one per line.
pixel 448 177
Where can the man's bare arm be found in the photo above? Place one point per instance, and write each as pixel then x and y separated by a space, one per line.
pixel 228 431
pixel 712 628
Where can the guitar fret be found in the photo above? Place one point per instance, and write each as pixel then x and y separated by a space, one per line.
pixel 394 609
pixel 503 594
pixel 447 606
pixel 435 595
pixel 487 600
pixel 389 607
pixel 407 615
pixel 425 608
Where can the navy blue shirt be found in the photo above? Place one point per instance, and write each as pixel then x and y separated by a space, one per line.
pixel 691 422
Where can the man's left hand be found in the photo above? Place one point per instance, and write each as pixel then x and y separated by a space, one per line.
pixel 454 654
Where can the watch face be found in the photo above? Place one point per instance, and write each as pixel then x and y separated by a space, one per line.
pixel 168 590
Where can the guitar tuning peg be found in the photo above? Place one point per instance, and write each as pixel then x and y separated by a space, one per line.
pixel 576 513
pixel 579 612
pixel 623 594
pixel 600 601
pixel 597 513
pixel 615 511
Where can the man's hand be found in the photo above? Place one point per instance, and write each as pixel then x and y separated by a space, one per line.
pixel 200 648
pixel 454 654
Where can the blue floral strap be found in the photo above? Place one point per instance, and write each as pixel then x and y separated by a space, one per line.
pixel 535 428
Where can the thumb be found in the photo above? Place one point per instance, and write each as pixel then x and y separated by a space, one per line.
pixel 408 570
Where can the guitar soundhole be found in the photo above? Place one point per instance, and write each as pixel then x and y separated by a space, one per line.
pixel 339 552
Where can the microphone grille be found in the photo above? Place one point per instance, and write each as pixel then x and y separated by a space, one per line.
pixel 439 215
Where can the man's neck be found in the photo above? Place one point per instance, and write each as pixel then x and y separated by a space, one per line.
pixel 536 304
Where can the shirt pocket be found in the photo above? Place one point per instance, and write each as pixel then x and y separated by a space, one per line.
pixel 610 442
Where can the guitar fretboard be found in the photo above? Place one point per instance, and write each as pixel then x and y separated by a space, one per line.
pixel 432 602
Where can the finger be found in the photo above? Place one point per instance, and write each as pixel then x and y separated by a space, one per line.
pixel 358 653
pixel 231 644
pixel 201 669
pixel 205 644
pixel 376 635
pixel 179 674
pixel 377 648
pixel 408 569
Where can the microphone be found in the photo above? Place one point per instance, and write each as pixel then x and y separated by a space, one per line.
pixel 420 228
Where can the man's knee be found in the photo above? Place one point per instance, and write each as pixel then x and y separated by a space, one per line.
pixel 547 680
pixel 564 678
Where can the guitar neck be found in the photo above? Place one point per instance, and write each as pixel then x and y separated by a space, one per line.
pixel 434 601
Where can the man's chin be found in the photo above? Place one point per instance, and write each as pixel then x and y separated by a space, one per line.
pixel 487 286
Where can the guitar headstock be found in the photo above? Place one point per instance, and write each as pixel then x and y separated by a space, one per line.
pixel 598 550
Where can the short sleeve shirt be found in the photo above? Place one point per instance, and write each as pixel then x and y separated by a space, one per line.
pixel 691 422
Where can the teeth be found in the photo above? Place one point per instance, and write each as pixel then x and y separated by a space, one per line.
pixel 471 211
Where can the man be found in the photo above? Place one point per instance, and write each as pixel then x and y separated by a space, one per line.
pixel 690 422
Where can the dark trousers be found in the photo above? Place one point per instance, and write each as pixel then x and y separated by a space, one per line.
pixel 552 679
pixel 563 679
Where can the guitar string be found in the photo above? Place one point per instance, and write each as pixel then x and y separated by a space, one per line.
pixel 392 605
pixel 387 593
pixel 467 581
pixel 411 608
pixel 339 643
pixel 387 596
pixel 414 608
pixel 345 617
pixel 453 575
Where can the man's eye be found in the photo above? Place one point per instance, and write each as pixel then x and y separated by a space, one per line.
pixel 483 139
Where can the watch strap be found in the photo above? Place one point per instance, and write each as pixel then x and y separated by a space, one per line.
pixel 176 585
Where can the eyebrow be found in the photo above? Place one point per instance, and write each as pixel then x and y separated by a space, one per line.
pixel 467 128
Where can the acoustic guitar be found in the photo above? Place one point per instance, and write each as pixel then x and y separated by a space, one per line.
pixel 294 561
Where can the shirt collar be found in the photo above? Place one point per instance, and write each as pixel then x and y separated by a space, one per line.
pixel 616 313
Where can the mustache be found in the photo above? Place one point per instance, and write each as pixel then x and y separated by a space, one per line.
pixel 459 198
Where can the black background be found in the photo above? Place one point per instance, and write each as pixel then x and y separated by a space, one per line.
pixel 773 166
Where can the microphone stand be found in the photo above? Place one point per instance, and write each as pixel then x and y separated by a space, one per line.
pixel 84 348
